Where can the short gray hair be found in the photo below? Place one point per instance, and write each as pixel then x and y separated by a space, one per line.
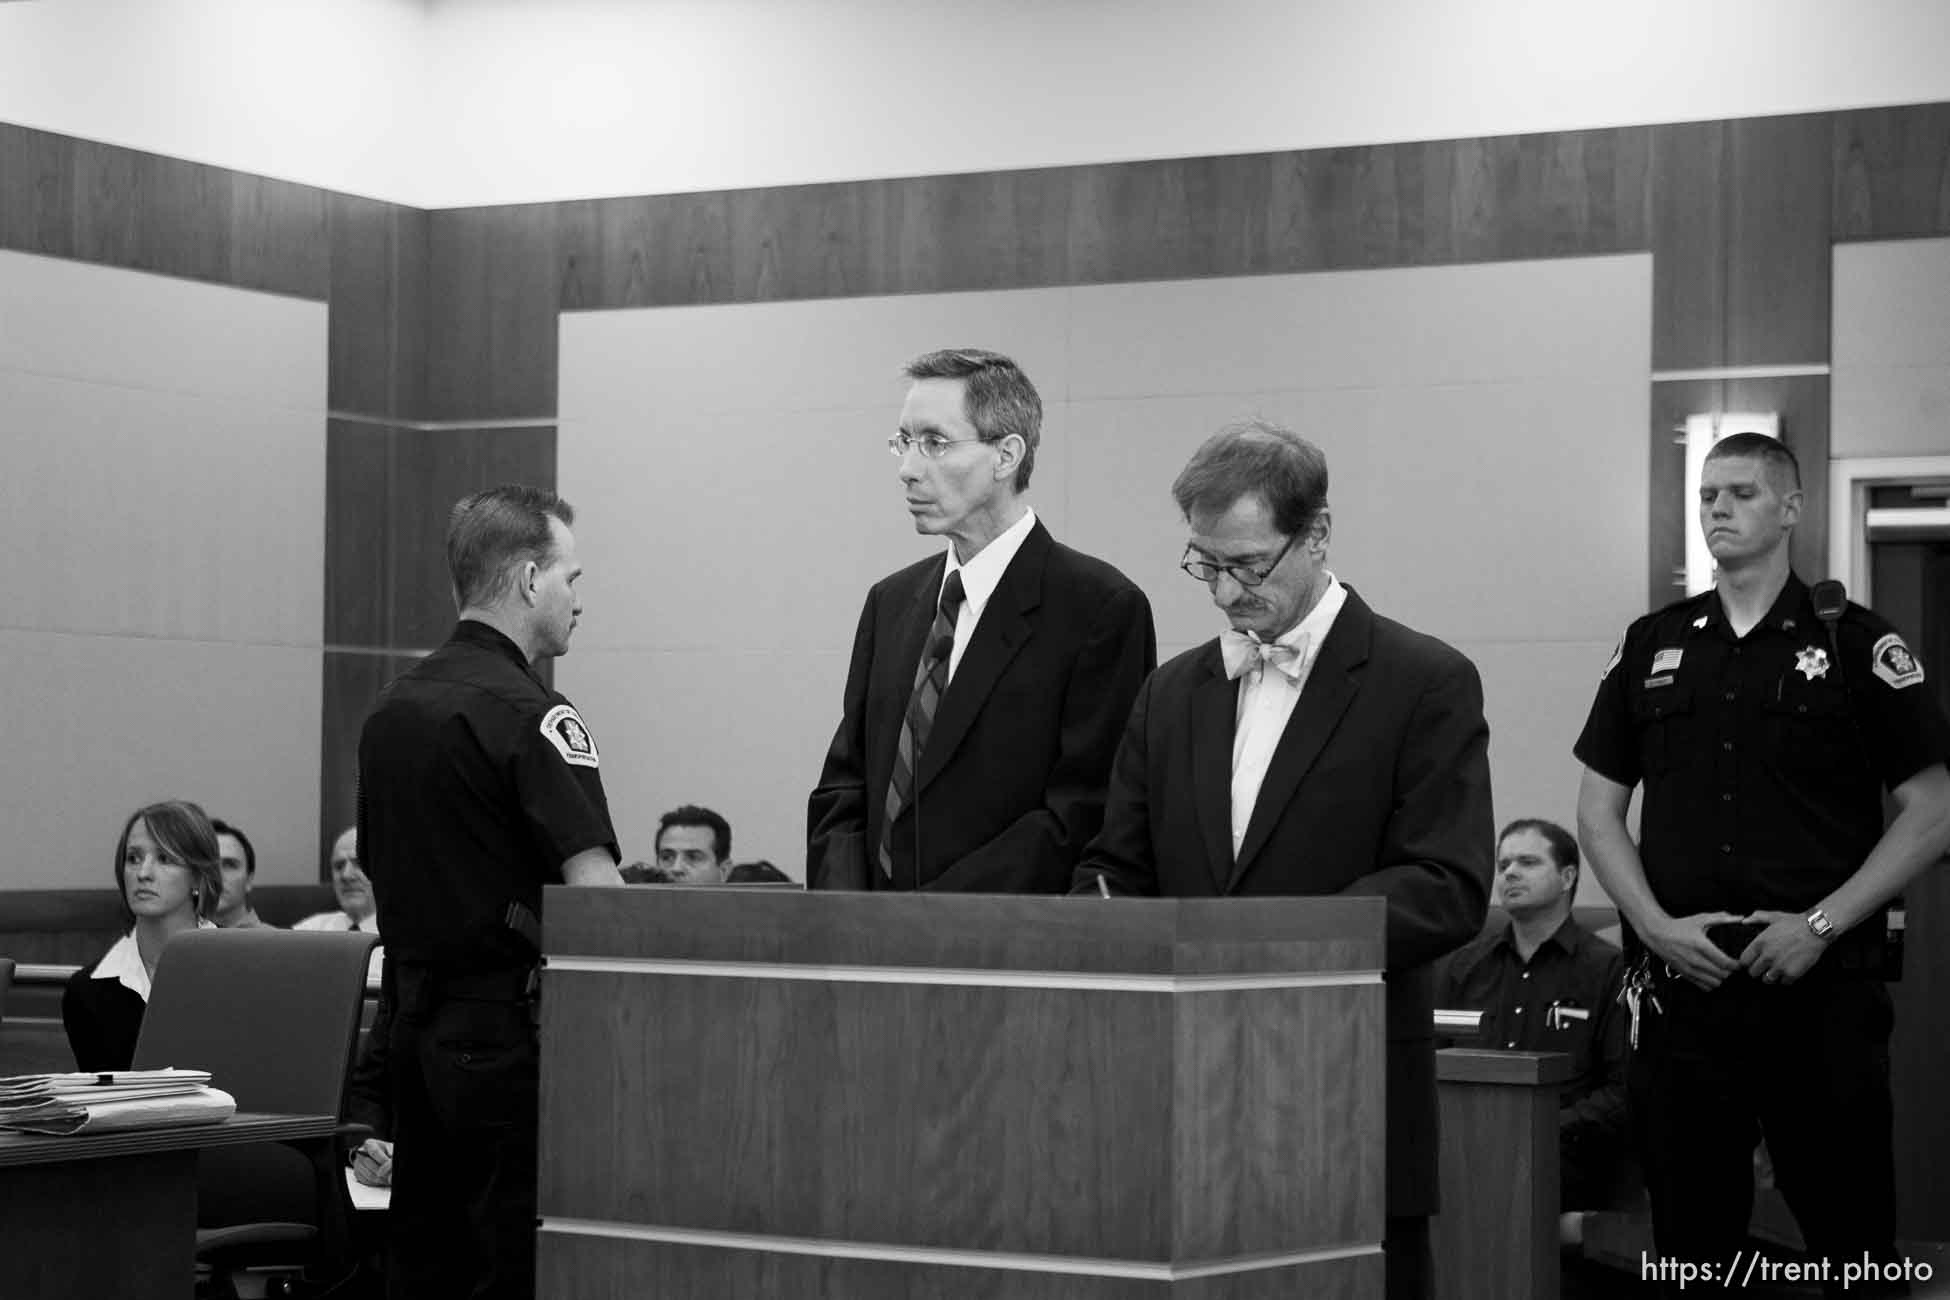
pixel 998 400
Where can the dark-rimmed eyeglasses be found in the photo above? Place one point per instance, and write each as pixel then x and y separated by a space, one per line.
pixel 933 445
pixel 1246 575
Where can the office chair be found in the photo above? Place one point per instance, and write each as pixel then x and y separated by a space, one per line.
pixel 273 1016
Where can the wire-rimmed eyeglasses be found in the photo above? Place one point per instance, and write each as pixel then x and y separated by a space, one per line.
pixel 933 445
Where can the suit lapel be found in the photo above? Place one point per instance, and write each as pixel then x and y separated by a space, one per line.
pixel 1330 688
pixel 1215 714
pixel 1005 626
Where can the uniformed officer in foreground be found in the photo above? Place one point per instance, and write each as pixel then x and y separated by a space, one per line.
pixel 1765 726
pixel 477 786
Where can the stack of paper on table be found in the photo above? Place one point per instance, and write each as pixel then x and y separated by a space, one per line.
pixel 111 1102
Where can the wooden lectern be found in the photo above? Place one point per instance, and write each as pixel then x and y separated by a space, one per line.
pixel 772 1093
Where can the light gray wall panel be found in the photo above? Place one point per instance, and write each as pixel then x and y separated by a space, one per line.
pixel 114 326
pixel 100 725
pixel 151 513
pixel 798 356
pixel 741 730
pixel 1891 383
pixel 163 497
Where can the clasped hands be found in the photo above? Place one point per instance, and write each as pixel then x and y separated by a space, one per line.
pixel 1780 954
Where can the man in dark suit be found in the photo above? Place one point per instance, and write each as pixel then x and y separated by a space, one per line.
pixel 988 685
pixel 1314 748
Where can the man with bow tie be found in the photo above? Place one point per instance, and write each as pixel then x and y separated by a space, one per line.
pixel 1315 747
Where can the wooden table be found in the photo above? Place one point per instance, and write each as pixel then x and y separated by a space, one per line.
pixel 114 1214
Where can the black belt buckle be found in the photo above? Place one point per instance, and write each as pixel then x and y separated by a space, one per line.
pixel 1732 937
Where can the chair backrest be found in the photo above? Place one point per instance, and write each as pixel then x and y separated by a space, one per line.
pixel 6 982
pixel 271 1014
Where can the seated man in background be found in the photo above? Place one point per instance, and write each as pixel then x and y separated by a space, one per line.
pixel 1545 984
pixel 358 909
pixel 757 873
pixel 238 861
pixel 694 845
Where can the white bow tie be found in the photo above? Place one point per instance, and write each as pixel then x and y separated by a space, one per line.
pixel 1244 653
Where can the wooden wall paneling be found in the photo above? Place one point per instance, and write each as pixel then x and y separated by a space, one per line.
pixel 280 237
pixel 602 1268
pixel 65 197
pixel 1776 187
pixel 1891 172
pixel 1055 1133
pixel 1370 206
pixel 1269 1158
pixel 432 469
pixel 359 558
pixel 151 213
pixel 807 241
pixel 1689 246
pixel 378 324
pixel 995 230
pixel 37 191
pixel 1571 193
pixel 666 250
pixel 352 681
pixel 493 290
pixel 1496 1235
pixel 1142 221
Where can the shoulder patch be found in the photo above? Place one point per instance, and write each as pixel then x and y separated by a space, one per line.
pixel 1617 653
pixel 562 725
pixel 1894 663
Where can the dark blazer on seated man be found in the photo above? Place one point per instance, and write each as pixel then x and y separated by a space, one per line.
pixel 1315 748
pixel 976 732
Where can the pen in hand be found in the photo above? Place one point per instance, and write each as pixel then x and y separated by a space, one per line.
pixel 1102 888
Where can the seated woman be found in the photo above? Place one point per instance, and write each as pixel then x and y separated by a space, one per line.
pixel 166 868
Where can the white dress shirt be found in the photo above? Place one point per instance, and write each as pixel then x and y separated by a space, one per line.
pixel 1266 700
pixel 979 579
pixel 123 963
pixel 343 921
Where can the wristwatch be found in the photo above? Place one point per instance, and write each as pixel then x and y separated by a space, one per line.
pixel 1819 925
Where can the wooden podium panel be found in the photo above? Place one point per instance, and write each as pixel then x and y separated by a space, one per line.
pixel 1496 1237
pixel 1155 1096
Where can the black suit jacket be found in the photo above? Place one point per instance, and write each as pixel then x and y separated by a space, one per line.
pixel 103 1019
pixel 1380 784
pixel 1011 785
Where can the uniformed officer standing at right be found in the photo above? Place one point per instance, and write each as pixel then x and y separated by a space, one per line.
pixel 477 786
pixel 1765 735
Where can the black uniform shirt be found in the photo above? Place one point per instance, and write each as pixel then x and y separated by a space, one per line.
pixel 476 783
pixel 1564 999
pixel 1763 757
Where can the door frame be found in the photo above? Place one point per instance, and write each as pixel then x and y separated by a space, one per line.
pixel 1849 481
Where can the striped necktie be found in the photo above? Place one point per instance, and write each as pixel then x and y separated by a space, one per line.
pixel 930 680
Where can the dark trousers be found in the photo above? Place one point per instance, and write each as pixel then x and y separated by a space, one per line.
pixel 465 1083
pixel 1807 1067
